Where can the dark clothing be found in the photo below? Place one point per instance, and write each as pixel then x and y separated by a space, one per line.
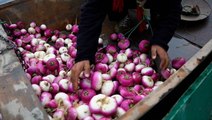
pixel 165 17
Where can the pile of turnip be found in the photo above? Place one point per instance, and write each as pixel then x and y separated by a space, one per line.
pixel 120 77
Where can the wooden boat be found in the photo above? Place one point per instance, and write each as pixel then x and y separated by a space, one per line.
pixel 19 102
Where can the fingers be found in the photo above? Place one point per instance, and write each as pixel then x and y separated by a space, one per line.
pixel 153 52
pixel 77 69
pixel 75 76
pixel 157 50
pixel 87 69
pixel 164 60
pixel 164 63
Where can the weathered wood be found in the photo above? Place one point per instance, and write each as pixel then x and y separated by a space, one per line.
pixel 17 98
pixel 55 13
pixel 15 89
pixel 156 96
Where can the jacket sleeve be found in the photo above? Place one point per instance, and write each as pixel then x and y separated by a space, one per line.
pixel 93 13
pixel 165 20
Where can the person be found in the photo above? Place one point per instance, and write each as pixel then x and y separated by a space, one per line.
pixel 165 17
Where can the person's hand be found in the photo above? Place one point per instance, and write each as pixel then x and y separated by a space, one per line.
pixel 77 69
pixel 156 50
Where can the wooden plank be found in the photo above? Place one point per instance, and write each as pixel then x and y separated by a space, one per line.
pixel 17 98
pixel 54 13
pixel 156 96
pixel 55 16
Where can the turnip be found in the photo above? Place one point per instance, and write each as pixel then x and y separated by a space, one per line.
pixel 45 98
pixel 122 57
pixel 147 81
pixel 65 57
pixel 127 104
pixel 129 52
pixel 50 78
pixel 63 50
pixel 143 57
pixel 75 28
pixel 64 84
pixel 49 56
pixel 23 31
pixel 31 30
pixel 32 24
pixel 96 81
pixel 129 67
pixel 45 85
pixel 103 68
pixel 113 72
pixel 68 27
pixel 147 71
pixel 103 104
pixel 83 111
pixel 54 89
pixel 43 27
pixel 37 89
pixel 120 111
pixel 59 115
pixel 127 92
pixel 12 26
pixel 111 49
pixel 97 116
pixel 166 73
pixel 144 46
pixel 138 98
pixel 36 79
pixel 110 58
pixel 113 36
pixel 87 94
pixel 88 118
pixel 52 64
pixel 125 79
pixel 120 36
pixel 107 88
pixel 61 96
pixel 124 44
pixel 54 38
pixel 85 83
pixel 100 41
pixel 178 62
pixel 52 104
pixel 95 103
pixel 101 58
pixel 118 98
pixel 59 43
pixel 72 113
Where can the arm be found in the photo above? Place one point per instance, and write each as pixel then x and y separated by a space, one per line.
pixel 165 16
pixel 165 20
pixel 92 16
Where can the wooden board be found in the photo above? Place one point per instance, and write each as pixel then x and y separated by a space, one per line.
pixel 17 98
pixel 12 75
pixel 156 96
pixel 54 13
pixel 55 16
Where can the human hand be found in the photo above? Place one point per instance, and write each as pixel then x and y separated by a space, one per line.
pixel 77 69
pixel 156 50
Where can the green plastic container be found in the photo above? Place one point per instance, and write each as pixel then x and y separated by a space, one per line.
pixel 196 102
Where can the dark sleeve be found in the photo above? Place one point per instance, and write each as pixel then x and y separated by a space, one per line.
pixel 93 13
pixel 165 20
